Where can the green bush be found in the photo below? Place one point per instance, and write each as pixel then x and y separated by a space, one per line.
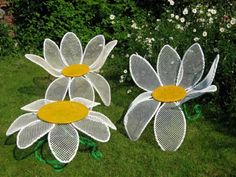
pixel 7 45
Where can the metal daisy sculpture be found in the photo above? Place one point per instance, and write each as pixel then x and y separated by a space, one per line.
pixel 60 120
pixel 175 82
pixel 76 70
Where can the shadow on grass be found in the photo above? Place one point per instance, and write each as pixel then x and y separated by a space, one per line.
pixel 39 87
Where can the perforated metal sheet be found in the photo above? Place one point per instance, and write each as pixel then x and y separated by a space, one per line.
pixel 81 87
pixel 32 132
pixel 169 127
pixel 63 141
pixel 71 49
pixel 94 129
pixel 93 49
pixel 21 122
pixel 138 116
pixel 143 74
pixel 57 89
pixel 101 86
pixel 52 54
pixel 168 63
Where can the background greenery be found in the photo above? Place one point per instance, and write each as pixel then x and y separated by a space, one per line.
pixel 141 26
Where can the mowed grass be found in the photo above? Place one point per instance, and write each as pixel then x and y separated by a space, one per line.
pixel 204 152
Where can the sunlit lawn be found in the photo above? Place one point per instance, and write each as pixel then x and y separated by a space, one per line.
pixel 205 151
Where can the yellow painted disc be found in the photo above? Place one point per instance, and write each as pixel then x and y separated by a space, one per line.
pixel 63 112
pixel 169 93
pixel 75 70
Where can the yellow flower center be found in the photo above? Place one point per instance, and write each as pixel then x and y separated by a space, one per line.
pixel 63 112
pixel 169 93
pixel 75 70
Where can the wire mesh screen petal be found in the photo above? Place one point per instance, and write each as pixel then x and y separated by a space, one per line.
pixel 30 134
pixel 143 74
pixel 207 81
pixel 81 87
pixel 93 49
pixel 168 65
pixel 169 127
pixel 138 116
pixel 102 118
pixel 196 93
pixel 86 102
pixel 94 129
pixel 41 62
pixel 141 97
pixel 57 89
pixel 34 106
pixel 63 141
pixel 71 49
pixel 52 54
pixel 21 122
pixel 101 86
pixel 193 64
pixel 96 66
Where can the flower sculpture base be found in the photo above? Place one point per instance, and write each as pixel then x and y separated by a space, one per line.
pixel 58 166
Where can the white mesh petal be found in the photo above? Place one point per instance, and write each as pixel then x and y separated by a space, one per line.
pixel 207 81
pixel 86 102
pixel 193 64
pixel 138 116
pixel 168 64
pixel 41 62
pixel 34 131
pixel 142 73
pixel 34 106
pixel 143 96
pixel 63 141
pixel 94 129
pixel 196 93
pixel 93 49
pixel 96 66
pixel 57 89
pixel 81 87
pixel 21 122
pixel 52 54
pixel 102 118
pixel 71 49
pixel 101 86
pixel 169 127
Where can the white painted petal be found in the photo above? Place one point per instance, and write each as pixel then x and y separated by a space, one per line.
pixel 193 64
pixel 57 89
pixel 207 81
pixel 34 106
pixel 96 66
pixel 41 62
pixel 196 93
pixel 93 50
pixel 81 87
pixel 63 141
pixel 34 131
pixel 169 127
pixel 71 49
pixel 94 129
pixel 143 73
pixel 101 86
pixel 143 96
pixel 21 122
pixel 168 64
pixel 102 118
pixel 52 54
pixel 138 116
pixel 86 102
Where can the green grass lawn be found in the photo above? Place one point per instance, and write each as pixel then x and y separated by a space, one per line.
pixel 205 151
